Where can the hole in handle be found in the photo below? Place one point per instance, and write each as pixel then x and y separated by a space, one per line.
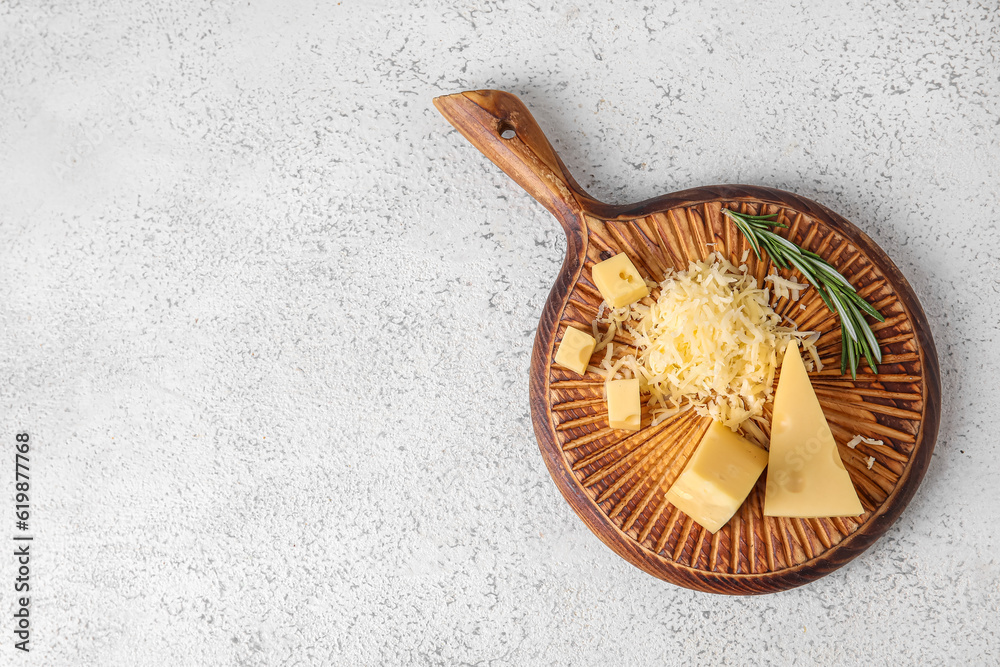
pixel 506 130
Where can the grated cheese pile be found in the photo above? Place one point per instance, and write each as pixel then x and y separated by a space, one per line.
pixel 710 341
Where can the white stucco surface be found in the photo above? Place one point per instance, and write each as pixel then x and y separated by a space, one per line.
pixel 268 320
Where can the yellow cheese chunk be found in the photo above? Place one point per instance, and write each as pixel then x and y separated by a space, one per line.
pixel 805 477
pixel 575 350
pixel 624 411
pixel 718 478
pixel 620 284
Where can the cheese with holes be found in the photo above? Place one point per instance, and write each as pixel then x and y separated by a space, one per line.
pixel 575 350
pixel 624 409
pixel 805 476
pixel 619 282
pixel 718 478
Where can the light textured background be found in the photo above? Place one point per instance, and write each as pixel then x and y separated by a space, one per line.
pixel 268 319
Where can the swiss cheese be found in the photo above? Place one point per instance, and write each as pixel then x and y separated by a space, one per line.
pixel 575 350
pixel 805 476
pixel 718 478
pixel 624 409
pixel 618 281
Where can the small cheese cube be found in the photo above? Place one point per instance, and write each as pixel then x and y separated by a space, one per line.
pixel 575 350
pixel 624 411
pixel 718 478
pixel 620 284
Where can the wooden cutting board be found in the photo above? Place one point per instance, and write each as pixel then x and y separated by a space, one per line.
pixel 617 481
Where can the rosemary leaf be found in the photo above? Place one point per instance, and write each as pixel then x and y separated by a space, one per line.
pixel 865 306
pixel 852 360
pixel 843 354
pixel 845 319
pixel 833 273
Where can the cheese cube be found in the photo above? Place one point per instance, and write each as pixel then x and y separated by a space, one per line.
pixel 575 350
pixel 624 411
pixel 718 478
pixel 619 282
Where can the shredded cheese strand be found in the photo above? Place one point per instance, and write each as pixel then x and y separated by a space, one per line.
pixel 858 439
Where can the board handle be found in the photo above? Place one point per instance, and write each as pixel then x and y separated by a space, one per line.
pixel 502 128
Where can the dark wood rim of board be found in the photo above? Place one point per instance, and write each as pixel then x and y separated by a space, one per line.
pixel 482 116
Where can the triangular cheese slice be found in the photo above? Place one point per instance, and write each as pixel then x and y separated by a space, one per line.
pixel 805 476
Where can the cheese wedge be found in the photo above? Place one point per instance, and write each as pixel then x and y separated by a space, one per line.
pixel 718 478
pixel 805 476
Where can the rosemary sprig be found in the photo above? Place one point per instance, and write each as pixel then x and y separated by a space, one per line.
pixel 857 338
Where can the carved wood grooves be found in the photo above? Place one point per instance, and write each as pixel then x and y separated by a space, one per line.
pixel 616 481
